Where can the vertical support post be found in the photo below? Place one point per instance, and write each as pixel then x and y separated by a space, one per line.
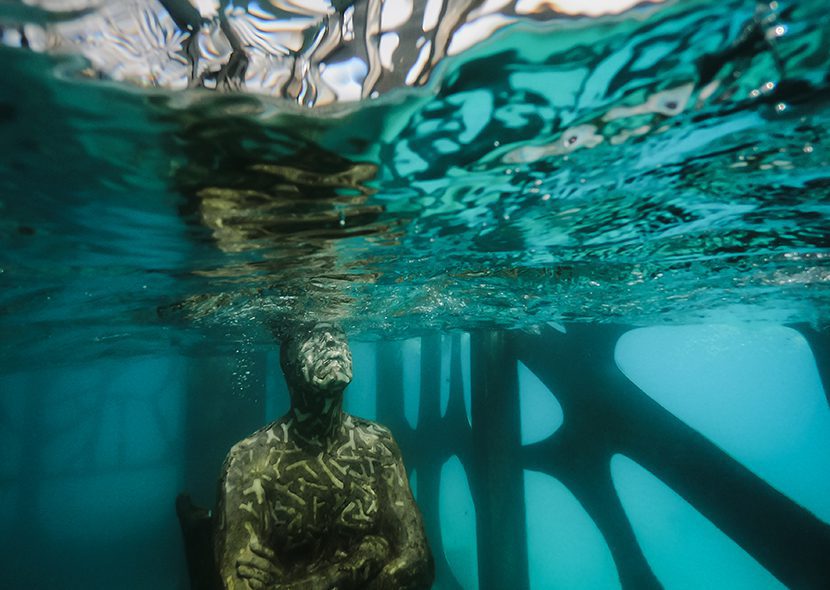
pixel 439 443
pixel 498 477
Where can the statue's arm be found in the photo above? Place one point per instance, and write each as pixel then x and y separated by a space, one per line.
pixel 241 522
pixel 350 573
pixel 244 560
pixel 411 566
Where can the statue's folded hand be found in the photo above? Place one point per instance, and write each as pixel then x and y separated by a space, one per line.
pixel 356 568
pixel 370 557
pixel 374 547
pixel 257 567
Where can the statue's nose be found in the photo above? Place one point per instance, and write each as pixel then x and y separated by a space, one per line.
pixel 330 343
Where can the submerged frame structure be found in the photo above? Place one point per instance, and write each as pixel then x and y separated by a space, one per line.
pixel 605 414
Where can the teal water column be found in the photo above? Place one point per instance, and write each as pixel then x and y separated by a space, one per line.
pixel 221 410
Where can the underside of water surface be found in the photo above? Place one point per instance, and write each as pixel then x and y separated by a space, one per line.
pixel 665 164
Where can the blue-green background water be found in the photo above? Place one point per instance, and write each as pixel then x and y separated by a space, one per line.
pixel 665 170
pixel 94 455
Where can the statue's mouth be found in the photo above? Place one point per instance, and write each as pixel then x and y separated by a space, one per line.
pixel 333 367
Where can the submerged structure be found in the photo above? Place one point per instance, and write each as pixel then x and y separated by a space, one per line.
pixel 467 421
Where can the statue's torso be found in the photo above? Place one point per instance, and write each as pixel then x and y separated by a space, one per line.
pixel 315 499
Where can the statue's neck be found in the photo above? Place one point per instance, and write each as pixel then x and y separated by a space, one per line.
pixel 316 419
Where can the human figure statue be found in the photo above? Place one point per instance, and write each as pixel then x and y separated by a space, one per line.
pixel 319 499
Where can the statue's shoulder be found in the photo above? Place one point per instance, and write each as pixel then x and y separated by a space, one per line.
pixel 251 449
pixel 370 428
pixel 375 436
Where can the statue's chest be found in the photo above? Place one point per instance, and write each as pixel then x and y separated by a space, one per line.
pixel 319 495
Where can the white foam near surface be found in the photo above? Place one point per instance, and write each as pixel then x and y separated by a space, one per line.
pixel 754 392
pixel 308 42
pixel 345 78
pixel 395 13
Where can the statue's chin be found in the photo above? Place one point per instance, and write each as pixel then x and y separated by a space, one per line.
pixel 333 376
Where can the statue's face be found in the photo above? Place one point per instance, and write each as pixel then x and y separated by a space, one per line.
pixel 323 358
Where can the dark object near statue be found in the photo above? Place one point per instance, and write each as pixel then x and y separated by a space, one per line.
pixel 197 524
pixel 319 499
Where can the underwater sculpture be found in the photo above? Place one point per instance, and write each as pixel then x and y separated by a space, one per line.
pixel 319 499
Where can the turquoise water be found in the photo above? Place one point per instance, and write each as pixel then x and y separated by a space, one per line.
pixel 653 184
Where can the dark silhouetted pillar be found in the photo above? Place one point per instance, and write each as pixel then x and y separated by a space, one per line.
pixel 498 474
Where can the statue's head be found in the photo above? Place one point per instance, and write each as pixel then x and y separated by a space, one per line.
pixel 317 360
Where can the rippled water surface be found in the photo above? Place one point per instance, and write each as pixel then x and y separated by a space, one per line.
pixel 664 165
